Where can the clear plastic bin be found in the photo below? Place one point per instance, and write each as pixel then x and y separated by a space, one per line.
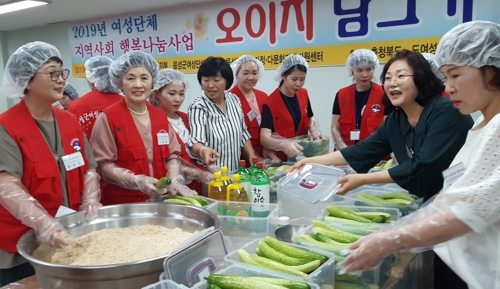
pixel 250 271
pixel 303 193
pixel 165 284
pixel 323 275
pixel 395 215
pixel 378 276
pixel 243 229
pixel 404 209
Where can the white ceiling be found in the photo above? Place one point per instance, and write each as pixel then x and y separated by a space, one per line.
pixel 74 10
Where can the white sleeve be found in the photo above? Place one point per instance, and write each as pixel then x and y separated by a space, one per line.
pixel 475 197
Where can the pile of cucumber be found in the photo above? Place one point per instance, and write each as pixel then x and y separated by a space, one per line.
pixel 344 215
pixel 393 200
pixel 219 281
pixel 193 201
pixel 278 256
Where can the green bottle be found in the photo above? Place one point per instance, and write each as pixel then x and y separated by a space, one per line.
pixel 259 185
pixel 244 177
pixel 254 165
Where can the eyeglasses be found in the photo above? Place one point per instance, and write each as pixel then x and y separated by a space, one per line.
pixel 398 80
pixel 54 75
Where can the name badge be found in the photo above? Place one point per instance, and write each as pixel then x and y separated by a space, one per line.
pixel 73 161
pixel 355 135
pixel 452 174
pixel 251 115
pixel 163 139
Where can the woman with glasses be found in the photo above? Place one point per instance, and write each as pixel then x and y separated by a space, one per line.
pixel 45 161
pixel 357 109
pixel 424 131
pixel 133 142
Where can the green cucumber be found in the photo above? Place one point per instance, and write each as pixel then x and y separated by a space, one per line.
pixel 335 219
pixel 163 182
pixel 380 219
pixel 346 214
pixel 399 201
pixel 333 235
pixel 372 215
pixel 237 282
pixel 213 286
pixel 346 277
pixel 308 267
pixel 344 237
pixel 290 284
pixel 246 258
pixel 189 200
pixel 272 254
pixel 294 252
pixel 277 266
pixel 367 200
pixel 259 252
pixel 202 201
pixel 323 238
pixel 323 246
pixel 177 201
pixel 339 258
pixel 401 196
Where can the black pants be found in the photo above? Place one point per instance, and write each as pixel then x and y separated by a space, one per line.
pixel 444 277
pixel 17 273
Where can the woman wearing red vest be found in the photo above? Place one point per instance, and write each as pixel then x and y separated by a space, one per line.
pixel 133 142
pixel 168 95
pixel 45 161
pixel 357 109
pixel 88 107
pixel 287 112
pixel 247 71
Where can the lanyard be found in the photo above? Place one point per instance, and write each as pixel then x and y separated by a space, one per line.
pixel 289 106
pixel 359 112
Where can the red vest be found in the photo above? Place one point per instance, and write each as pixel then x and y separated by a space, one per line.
pixel 41 175
pixel 89 106
pixel 184 118
pixel 252 126
pixel 131 153
pixel 283 120
pixel 370 120
pixel 445 94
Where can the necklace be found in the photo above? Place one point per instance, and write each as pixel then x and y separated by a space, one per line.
pixel 138 113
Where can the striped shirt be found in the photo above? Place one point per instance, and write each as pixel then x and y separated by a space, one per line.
pixel 224 132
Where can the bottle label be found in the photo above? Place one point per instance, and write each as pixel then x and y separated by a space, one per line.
pixel 260 198
pixel 241 214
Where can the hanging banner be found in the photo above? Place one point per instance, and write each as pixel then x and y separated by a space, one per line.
pixel 324 32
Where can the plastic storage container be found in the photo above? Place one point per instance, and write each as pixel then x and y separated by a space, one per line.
pixel 192 263
pixel 303 193
pixel 405 209
pixel 249 271
pixel 395 215
pixel 313 148
pixel 245 228
pixel 165 284
pixel 323 275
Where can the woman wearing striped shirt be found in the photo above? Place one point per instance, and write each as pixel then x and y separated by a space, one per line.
pixel 218 130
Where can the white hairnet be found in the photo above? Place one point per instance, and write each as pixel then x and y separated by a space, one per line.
pixel 236 65
pixel 432 62
pixel 23 64
pixel 124 63
pixel 97 72
pixel 475 43
pixel 360 57
pixel 169 75
pixel 290 61
pixel 71 91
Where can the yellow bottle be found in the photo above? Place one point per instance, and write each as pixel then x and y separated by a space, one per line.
pixel 217 191
pixel 239 210
pixel 225 177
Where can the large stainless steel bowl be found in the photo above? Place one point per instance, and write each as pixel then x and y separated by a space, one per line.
pixel 131 275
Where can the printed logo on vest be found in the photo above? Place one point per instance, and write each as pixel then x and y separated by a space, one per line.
pixel 376 108
pixel 75 143
pixel 162 131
